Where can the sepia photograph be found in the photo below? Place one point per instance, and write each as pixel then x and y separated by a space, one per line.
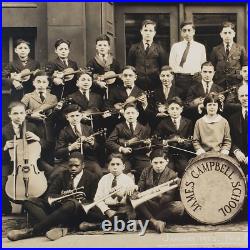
pixel 124 124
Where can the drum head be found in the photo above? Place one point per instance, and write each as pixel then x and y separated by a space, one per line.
pixel 213 188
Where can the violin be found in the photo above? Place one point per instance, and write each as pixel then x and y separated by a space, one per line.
pixel 95 111
pixel 67 74
pixel 132 99
pixel 108 77
pixel 26 181
pixel 24 75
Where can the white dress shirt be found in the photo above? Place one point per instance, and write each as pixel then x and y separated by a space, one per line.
pixel 178 121
pixel 86 93
pixel 205 86
pixel 16 128
pixel 145 44
pixel 77 178
pixel 78 126
pixel 230 46
pixel 244 112
pixel 195 57
pixel 105 187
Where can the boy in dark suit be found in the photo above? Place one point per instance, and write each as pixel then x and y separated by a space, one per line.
pixel 70 212
pixel 77 137
pixel 164 208
pixel 147 57
pixel 62 86
pixel 176 128
pixel 228 58
pixel 17 115
pixel 20 86
pixel 102 63
pixel 126 138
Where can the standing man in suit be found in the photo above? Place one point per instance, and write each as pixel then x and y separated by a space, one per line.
pixel 68 213
pixel 61 86
pixel 186 58
pixel 239 129
pixel 147 57
pixel 228 57
pixel 20 86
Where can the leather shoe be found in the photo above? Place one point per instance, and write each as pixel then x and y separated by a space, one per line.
pixel 14 235
pixel 158 225
pixel 56 233
pixel 86 226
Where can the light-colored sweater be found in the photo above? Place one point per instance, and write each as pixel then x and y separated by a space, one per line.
pixel 212 135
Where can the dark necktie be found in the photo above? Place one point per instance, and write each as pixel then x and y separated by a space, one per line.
pixel 65 62
pixel 147 48
pixel 131 128
pixel 207 88
pixel 77 132
pixel 18 132
pixel 184 56
pixel 85 95
pixel 71 182
pixel 42 96
pixel 113 185
pixel 246 116
pixel 227 50
pixel 103 58
pixel 175 123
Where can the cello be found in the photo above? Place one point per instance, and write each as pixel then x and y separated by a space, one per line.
pixel 26 181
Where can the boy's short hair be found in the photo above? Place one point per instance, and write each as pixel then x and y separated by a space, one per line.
pixel 176 100
pixel 148 21
pixel 15 104
pixel 187 22
pixel 115 155
pixel 60 41
pixel 129 67
pixel 71 108
pixel 228 25
pixel 103 37
pixel 207 64
pixel 167 68
pixel 77 155
pixel 130 105
pixel 19 41
pixel 159 152
pixel 83 72
pixel 40 73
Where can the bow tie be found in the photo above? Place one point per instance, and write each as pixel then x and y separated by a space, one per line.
pixel 128 87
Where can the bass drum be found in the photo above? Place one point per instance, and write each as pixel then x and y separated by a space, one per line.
pixel 213 188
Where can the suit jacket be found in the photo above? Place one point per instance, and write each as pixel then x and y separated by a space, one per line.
pixel 122 133
pixel 146 182
pixel 197 90
pixel 33 101
pixel 16 67
pixel 8 134
pixel 239 137
pixel 147 64
pixel 167 130
pixel 62 183
pixel 236 59
pixel 67 137
pixel 95 100
pixel 70 86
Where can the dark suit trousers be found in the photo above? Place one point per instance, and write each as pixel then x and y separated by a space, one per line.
pixel 170 211
pixel 70 213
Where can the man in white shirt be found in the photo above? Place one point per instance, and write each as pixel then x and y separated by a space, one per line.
pixel 186 58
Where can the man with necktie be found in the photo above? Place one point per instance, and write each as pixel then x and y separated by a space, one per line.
pixel 68 213
pixel 239 129
pixel 186 58
pixel 147 57
pixel 228 58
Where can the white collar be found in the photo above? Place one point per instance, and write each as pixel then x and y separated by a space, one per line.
pixel 38 92
pixel 87 91
pixel 205 83
pixel 244 111
pixel 230 45
pixel 206 119
pixel 149 42
pixel 167 87
pixel 16 126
